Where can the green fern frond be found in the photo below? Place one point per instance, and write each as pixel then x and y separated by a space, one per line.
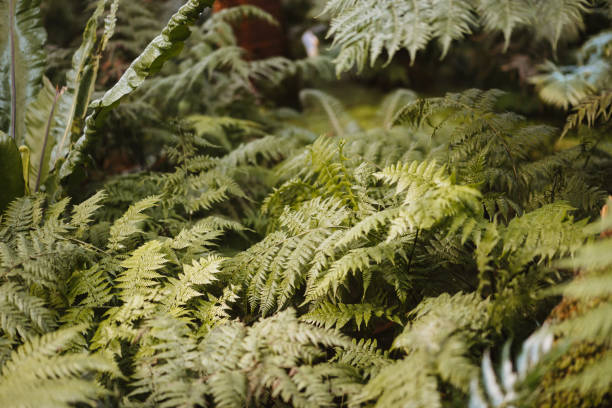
pixel 505 15
pixel 356 260
pixel 339 315
pixel 199 273
pixel 88 290
pixel 82 213
pixel 39 374
pixel 141 268
pixel 275 268
pixel 417 385
pixel 276 358
pixel 165 368
pixel 365 30
pixel 430 196
pixel 589 111
pixel 562 86
pixel 363 355
pixel 435 319
pixel 23 314
pixel 130 222
pixel 437 343
pixel 452 21
pixel 559 18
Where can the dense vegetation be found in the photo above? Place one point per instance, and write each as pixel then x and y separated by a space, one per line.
pixel 175 233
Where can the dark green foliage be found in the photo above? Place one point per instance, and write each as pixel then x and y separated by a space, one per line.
pixel 250 262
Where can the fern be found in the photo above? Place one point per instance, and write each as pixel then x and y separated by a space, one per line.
pixel 364 30
pixel 39 373
pixel 590 110
pixel 508 176
pixel 437 343
pixel 248 262
pixel 37 253
pixel 163 373
pixel 330 315
pixel 593 324
pixel 277 358
pixel 129 223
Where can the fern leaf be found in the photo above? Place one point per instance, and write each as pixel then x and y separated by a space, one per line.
pixel 129 223
pixel 141 269
pixel 82 213
pixel 37 374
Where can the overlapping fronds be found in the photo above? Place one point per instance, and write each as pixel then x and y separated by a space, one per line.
pixel 437 344
pixel 42 373
pixel 368 30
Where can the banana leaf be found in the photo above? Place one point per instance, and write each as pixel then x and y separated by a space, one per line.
pixel 22 62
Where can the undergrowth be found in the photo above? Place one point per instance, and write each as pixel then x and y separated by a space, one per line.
pixel 256 263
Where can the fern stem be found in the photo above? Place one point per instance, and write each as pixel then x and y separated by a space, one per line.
pixel 414 243
pixel 91 247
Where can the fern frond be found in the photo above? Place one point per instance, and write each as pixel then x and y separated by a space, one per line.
pixel 23 314
pixel 505 16
pixel 435 319
pixel 561 86
pixel 275 268
pixel 437 343
pixel 365 30
pixel 164 369
pixel 416 385
pixel 363 355
pixel 589 111
pixel 452 20
pixel 277 359
pixel 141 270
pixel 129 223
pixel 82 213
pixel 547 232
pixel 199 273
pixel 38 374
pixel 339 315
pixel 430 196
pixel 559 18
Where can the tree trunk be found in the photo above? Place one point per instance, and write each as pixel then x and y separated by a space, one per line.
pixel 258 38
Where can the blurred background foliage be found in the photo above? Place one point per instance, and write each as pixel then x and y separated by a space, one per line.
pixel 480 61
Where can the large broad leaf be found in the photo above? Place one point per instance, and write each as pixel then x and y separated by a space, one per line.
pixel 163 47
pixel 40 117
pixel 22 61
pixel 81 78
pixel 11 171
